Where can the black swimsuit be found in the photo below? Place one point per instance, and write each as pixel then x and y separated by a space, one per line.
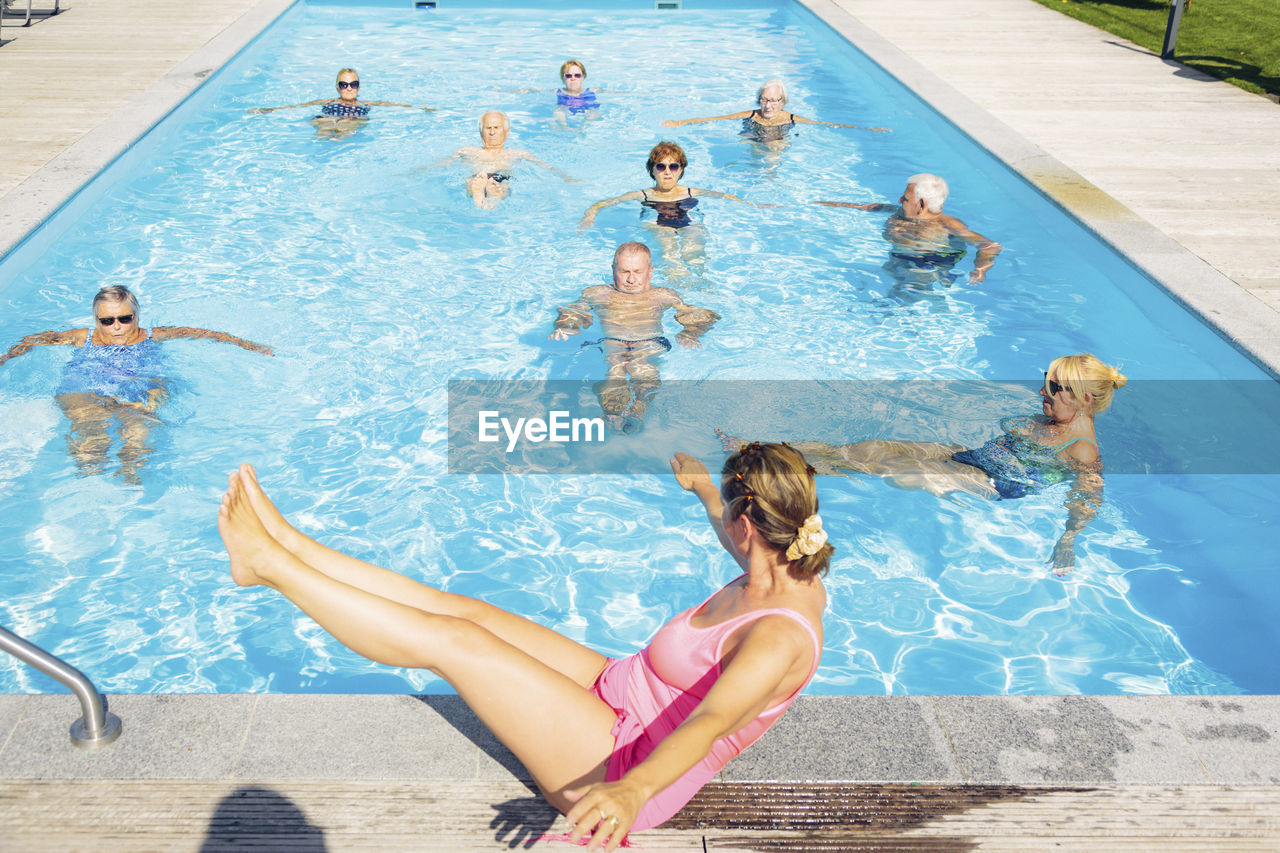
pixel 765 132
pixel 673 214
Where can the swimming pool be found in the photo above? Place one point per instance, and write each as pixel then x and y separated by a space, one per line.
pixel 357 446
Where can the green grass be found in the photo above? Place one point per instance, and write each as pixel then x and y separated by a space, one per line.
pixel 1234 40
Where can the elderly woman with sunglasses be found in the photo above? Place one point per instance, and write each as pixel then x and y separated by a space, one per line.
pixel 115 377
pixel 680 236
pixel 340 117
pixel 1031 454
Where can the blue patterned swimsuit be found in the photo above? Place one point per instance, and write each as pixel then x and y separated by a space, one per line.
pixel 577 103
pixel 125 373
pixel 337 109
pixel 1018 465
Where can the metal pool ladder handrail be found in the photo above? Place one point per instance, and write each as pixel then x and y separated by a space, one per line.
pixel 97 727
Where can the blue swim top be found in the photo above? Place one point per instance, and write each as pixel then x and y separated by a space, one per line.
pixel 338 109
pixel 1017 464
pixel 125 373
pixel 579 103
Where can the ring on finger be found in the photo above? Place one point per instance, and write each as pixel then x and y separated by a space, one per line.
pixel 603 816
pixel 613 819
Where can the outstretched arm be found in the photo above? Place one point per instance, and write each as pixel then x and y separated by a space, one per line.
pixel 770 654
pixel 696 321
pixel 987 249
pixel 713 194
pixel 803 120
pixel 165 333
pixel 25 345
pixel 692 476
pixel 394 104
pixel 877 207
pixel 261 110
pixel 680 121
pixel 590 215
pixel 1083 502
pixel 552 169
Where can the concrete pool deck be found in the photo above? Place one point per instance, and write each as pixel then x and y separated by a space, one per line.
pixel 1196 204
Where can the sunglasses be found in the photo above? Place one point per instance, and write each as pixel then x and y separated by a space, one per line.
pixel 1053 387
pixel 123 319
pixel 572 74
pixel 348 84
pixel 667 167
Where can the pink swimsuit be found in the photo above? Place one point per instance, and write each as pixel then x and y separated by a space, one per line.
pixel 655 690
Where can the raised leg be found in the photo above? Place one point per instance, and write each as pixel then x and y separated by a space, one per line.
pixel 558 729
pixel 553 649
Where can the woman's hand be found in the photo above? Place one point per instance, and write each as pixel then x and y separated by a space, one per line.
pixel 1064 555
pixel 605 811
pixel 690 473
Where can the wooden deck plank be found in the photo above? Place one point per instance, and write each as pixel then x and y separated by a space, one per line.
pixel 287 815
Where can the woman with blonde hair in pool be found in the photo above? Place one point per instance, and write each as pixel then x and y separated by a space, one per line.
pixel 679 235
pixel 574 99
pixel 115 378
pixel 616 745
pixel 1030 454
pixel 341 116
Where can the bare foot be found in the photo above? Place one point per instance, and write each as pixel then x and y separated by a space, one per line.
pixel 278 527
pixel 730 444
pixel 248 544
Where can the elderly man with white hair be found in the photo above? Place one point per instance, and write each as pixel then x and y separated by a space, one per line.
pixel 923 238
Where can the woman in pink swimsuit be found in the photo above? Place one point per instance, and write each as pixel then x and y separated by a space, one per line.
pixel 617 745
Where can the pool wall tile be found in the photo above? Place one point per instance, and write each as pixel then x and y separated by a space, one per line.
pixel 851 738
pixel 1237 738
pixel 353 737
pixel 163 736
pixel 1068 740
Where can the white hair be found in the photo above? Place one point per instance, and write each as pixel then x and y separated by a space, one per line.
pixel 506 122
pixel 773 83
pixel 930 189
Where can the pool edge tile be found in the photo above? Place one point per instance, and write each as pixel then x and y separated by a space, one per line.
pixel 1237 738
pixel 163 736
pixel 1076 740
pixel 851 738
pixel 332 736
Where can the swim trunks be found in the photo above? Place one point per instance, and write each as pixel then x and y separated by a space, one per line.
pixel 577 104
pixel 673 214
pixel 655 690
pixel 125 373
pixel 632 346
pixel 929 261
pixel 1019 466
pixel 337 109
pixel 498 177
pixel 754 129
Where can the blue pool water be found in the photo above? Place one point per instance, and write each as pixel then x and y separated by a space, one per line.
pixel 378 282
